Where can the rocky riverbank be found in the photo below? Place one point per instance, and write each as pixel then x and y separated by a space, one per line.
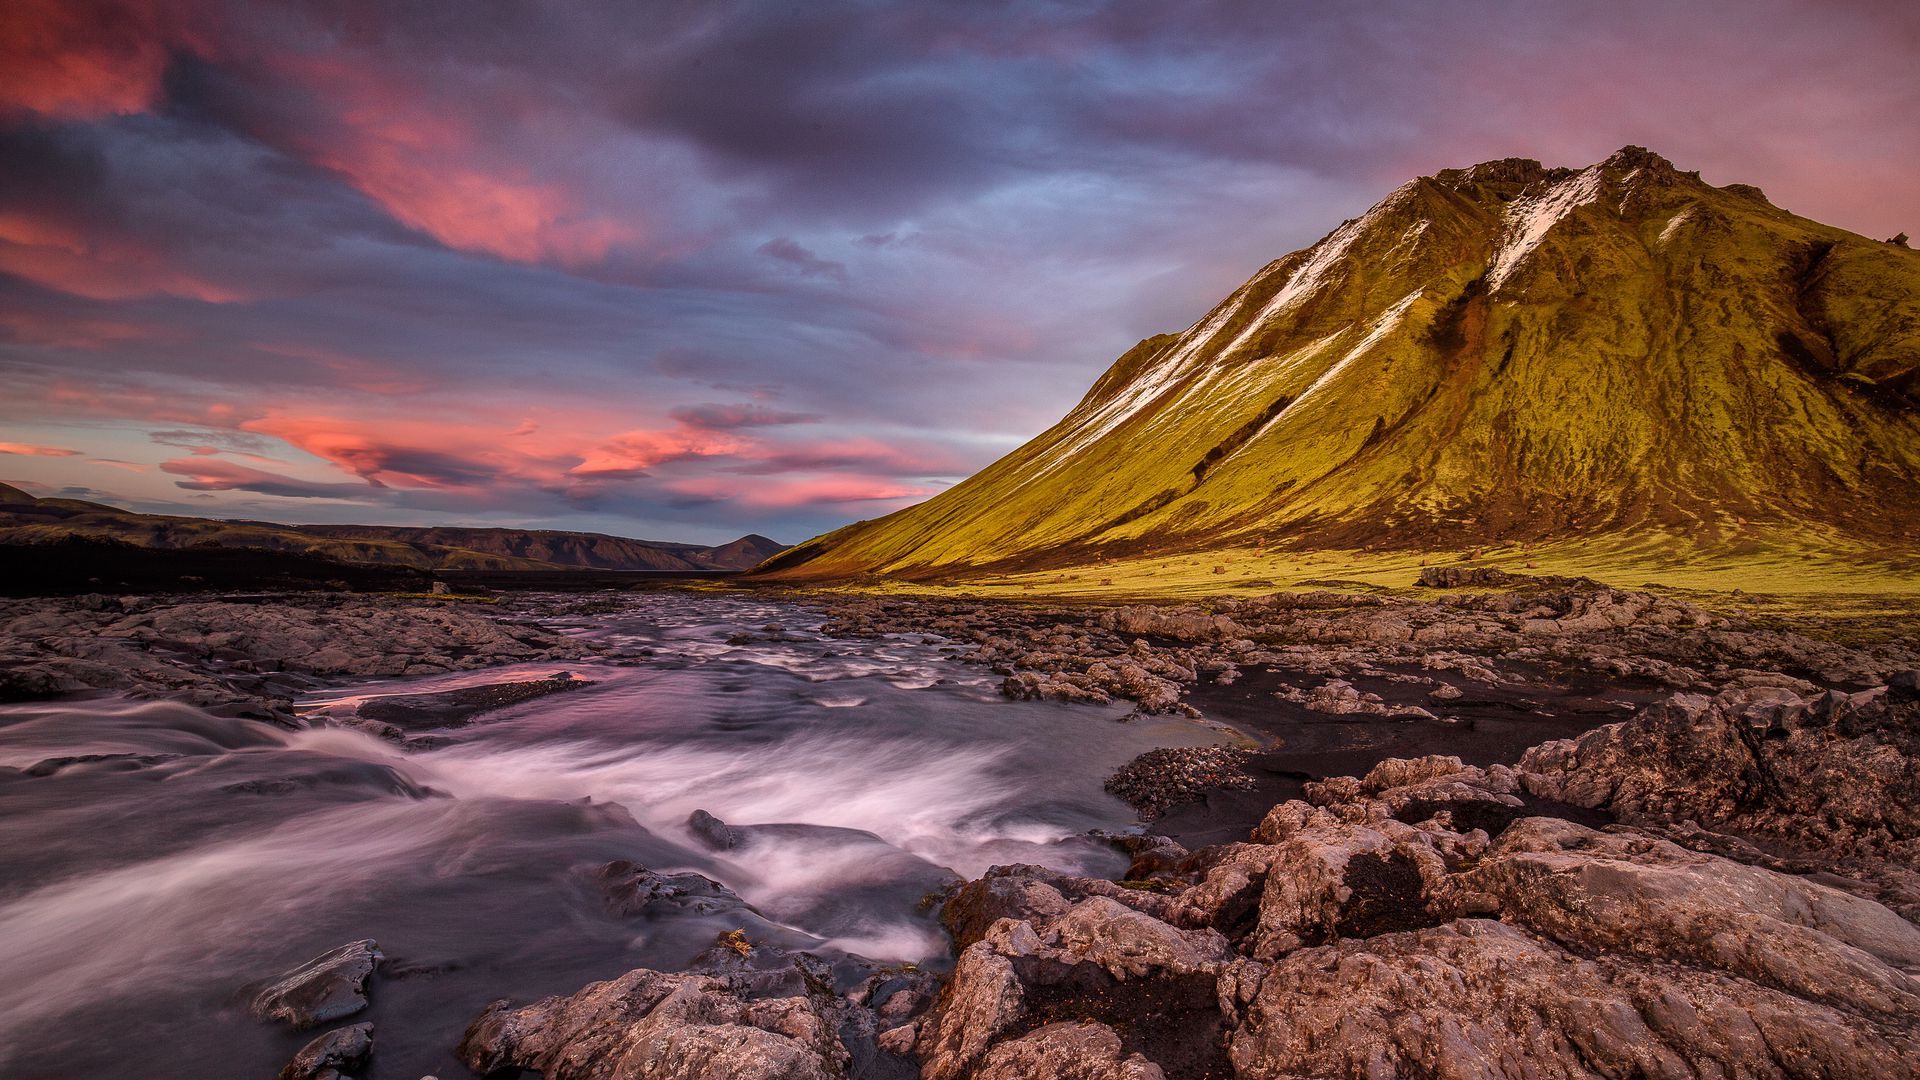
pixel 1327 682
pixel 251 656
pixel 1668 843
pixel 1749 914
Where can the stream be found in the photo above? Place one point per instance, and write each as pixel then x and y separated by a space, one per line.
pixel 194 856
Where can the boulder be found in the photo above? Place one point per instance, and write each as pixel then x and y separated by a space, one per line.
pixel 652 1023
pixel 332 1056
pixel 1066 1051
pixel 328 987
pixel 1475 998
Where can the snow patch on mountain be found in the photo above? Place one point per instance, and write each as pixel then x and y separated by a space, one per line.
pixel 1529 219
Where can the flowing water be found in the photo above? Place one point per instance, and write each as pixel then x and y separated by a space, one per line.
pixel 142 892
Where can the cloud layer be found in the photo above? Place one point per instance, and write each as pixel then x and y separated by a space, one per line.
pixel 692 268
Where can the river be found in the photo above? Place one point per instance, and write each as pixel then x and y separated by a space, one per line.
pixel 146 890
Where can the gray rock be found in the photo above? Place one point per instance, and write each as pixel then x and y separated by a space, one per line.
pixel 328 987
pixel 631 889
pixel 332 1056
pixel 717 835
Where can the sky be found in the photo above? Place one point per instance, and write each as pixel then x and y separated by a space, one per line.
pixel 688 270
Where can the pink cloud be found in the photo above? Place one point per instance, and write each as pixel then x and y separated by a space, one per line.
pixel 635 452
pixel 369 375
pixel 787 494
pixel 78 60
pixel 868 455
pixel 31 450
pixel 80 332
pixel 97 265
pixel 427 158
pixel 211 474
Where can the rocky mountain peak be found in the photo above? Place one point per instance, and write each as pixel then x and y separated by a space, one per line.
pixel 1514 170
pixel 1500 353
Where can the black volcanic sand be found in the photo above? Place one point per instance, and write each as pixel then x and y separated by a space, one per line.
pixel 1486 725
pixel 453 708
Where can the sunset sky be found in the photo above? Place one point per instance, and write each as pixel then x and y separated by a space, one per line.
pixel 688 270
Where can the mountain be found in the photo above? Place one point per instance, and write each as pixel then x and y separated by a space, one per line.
pixel 595 550
pixel 1503 354
pixel 25 519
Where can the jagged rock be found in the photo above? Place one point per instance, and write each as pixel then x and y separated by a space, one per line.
pixel 1148 982
pixel 631 889
pixel 1034 894
pixel 1453 577
pixel 328 987
pixel 1005 892
pixel 332 1056
pixel 1338 697
pixel 982 1001
pixel 717 835
pixel 651 1023
pixel 1066 1051
pixel 1623 894
pixel 1761 760
pixel 1177 623
pixel 1479 998
pixel 1131 944
pixel 1336 879
pixel 255 657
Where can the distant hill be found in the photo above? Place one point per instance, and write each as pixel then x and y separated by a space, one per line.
pixel 1506 354
pixel 25 519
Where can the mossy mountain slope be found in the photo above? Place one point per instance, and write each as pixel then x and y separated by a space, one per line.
pixel 1504 353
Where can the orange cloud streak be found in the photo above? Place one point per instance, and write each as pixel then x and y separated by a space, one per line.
pixel 30 450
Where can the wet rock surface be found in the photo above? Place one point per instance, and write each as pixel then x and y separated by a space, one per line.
pixel 337 1055
pixel 328 987
pixel 251 656
pixel 451 708
pixel 632 890
pixel 694 1025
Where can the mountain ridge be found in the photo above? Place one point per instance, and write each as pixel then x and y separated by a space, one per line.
pixel 26 519
pixel 1505 353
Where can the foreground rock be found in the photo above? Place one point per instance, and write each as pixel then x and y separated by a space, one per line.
pixel 1720 886
pixel 735 1018
pixel 328 987
pixel 1761 761
pixel 332 1056
pixel 1435 919
pixel 1478 998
